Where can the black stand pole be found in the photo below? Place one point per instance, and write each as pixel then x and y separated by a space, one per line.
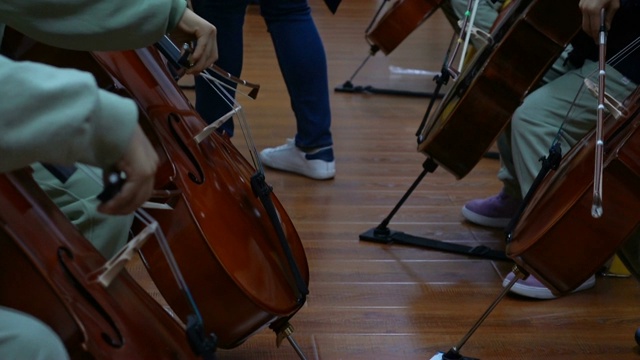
pixel 382 234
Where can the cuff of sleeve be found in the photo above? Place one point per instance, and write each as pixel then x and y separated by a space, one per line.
pixel 115 119
pixel 177 11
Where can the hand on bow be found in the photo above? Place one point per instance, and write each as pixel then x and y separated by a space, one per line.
pixel 139 163
pixel 591 15
pixel 194 29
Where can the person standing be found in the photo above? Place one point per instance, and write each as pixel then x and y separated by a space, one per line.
pixel 303 64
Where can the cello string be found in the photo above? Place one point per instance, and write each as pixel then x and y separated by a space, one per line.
pixel 620 55
pixel 373 20
pixel 178 58
pixel 264 198
pixel 219 87
pixel 205 74
pixel 613 60
pixel 600 72
pixel 624 53
pixel 459 40
pixel 143 216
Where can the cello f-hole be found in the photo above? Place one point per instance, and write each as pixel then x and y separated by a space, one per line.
pixel 199 178
pixel 115 340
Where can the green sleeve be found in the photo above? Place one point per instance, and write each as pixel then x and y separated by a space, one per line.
pixel 95 24
pixel 64 119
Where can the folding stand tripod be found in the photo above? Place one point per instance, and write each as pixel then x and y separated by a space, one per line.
pixel 398 7
pixel 382 234
pixel 349 87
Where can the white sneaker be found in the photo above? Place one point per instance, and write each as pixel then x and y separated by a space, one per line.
pixel 533 288
pixel 317 164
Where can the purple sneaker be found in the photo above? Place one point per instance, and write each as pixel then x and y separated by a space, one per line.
pixel 495 211
pixel 532 288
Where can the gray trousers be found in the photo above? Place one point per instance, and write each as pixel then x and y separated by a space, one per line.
pixel 23 337
pixel 563 109
pixel 76 197
pixel 485 16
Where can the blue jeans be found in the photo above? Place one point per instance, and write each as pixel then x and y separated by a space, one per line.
pixel 300 54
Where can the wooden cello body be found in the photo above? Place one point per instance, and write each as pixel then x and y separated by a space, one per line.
pixel 221 236
pixel 526 41
pixel 399 22
pixel 46 269
pixel 557 239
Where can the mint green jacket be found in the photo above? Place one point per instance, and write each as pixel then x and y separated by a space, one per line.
pixel 60 115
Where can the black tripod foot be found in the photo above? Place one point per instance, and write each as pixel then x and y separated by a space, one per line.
pixel 451 355
pixel 378 235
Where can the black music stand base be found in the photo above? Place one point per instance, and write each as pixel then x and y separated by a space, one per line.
pixel 348 87
pixel 382 234
pixel 451 355
pixel 388 236
pixel 382 237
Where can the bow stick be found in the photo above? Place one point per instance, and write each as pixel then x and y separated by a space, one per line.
pixel 596 207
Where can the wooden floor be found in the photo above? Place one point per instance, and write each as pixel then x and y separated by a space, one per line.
pixel 374 301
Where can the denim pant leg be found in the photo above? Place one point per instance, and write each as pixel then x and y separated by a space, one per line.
pixel 303 64
pixel 76 198
pixel 228 18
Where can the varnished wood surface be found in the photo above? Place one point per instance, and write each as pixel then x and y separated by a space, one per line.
pixel 373 301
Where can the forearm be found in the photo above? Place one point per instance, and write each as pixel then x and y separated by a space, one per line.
pixel 81 25
pixel 61 120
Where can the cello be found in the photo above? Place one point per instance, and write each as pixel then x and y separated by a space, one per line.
pixel 557 240
pixel 539 240
pixel 563 236
pixel 399 22
pixel 245 273
pixel 526 41
pixel 389 31
pixel 548 228
pixel 56 265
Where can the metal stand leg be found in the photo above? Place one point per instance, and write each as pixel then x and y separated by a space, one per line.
pixel 453 353
pixel 286 331
pixel 382 233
